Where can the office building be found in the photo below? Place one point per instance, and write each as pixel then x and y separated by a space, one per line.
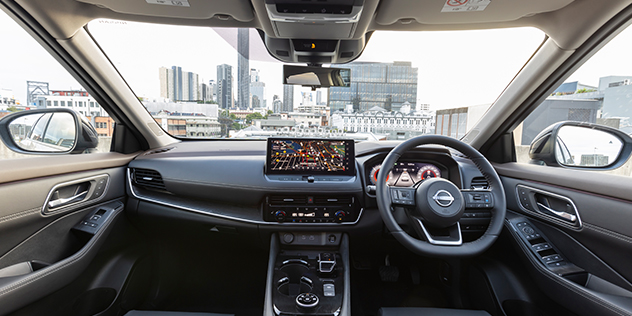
pixel 277 104
pixel 257 90
pixel 178 85
pixel 225 86
pixel 386 85
pixel 394 125
pixel 288 98
pixel 243 68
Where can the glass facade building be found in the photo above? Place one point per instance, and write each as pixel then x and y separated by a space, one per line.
pixel 387 85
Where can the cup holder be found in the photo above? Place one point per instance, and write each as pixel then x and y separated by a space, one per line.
pixel 293 280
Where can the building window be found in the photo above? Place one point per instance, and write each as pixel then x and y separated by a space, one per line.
pixel 55 103
pixel 48 103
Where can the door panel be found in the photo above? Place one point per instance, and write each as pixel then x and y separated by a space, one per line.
pixel 584 217
pixel 43 249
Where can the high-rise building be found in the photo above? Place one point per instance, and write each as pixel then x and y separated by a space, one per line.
pixel 178 85
pixel 225 86
pixel 387 85
pixel 243 68
pixel 277 104
pixel 288 98
pixel 257 90
pixel 319 97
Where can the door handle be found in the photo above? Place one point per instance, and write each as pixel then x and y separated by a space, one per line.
pixel 64 201
pixel 564 215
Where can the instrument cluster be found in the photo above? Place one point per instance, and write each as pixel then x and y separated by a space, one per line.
pixel 406 174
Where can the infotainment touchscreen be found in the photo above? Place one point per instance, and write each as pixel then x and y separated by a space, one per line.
pixel 310 156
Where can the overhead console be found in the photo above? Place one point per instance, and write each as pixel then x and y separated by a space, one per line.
pixel 331 19
pixel 332 25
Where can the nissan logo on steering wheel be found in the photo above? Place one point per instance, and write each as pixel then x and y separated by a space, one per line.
pixel 443 198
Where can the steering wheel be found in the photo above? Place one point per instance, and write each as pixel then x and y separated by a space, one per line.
pixel 435 206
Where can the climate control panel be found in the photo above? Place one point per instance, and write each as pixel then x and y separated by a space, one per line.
pixel 311 209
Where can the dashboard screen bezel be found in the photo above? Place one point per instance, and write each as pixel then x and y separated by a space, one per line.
pixel 349 156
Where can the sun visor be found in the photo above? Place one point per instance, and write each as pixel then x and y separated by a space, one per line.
pixel 462 11
pixel 240 10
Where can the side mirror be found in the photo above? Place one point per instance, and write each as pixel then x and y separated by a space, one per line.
pixel 581 145
pixel 48 131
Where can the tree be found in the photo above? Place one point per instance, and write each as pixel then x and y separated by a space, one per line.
pixel 12 109
pixel 253 116
pixel 267 114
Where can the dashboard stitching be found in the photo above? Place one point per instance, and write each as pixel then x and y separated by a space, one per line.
pixel 610 233
pixel 20 214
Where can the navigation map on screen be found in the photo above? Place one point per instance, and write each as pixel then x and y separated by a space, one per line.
pixel 308 156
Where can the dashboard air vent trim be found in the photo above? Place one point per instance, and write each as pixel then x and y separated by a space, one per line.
pixel 148 178
pixel 479 183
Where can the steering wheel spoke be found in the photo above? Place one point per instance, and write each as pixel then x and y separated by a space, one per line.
pixel 449 236
pixel 402 196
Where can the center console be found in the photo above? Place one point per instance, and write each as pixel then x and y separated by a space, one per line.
pixel 308 271
pixel 307 278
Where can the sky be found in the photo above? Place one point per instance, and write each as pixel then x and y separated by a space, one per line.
pixel 458 68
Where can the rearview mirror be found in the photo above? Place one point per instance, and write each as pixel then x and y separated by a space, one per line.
pixel 581 145
pixel 316 77
pixel 48 131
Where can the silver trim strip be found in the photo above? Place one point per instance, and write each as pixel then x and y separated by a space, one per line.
pixel 307 305
pixel 222 216
pixel 297 261
pixel 574 224
pixel 47 211
pixel 442 242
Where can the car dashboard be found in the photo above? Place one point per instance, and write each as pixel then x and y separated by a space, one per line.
pixel 231 183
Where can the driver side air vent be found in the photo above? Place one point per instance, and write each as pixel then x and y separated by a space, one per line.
pixel 479 183
pixel 148 178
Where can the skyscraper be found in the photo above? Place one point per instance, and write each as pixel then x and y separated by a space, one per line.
pixel 243 68
pixel 225 86
pixel 288 98
pixel 387 85
pixel 277 104
pixel 178 85
pixel 257 90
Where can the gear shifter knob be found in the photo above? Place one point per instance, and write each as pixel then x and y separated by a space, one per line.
pixel 326 262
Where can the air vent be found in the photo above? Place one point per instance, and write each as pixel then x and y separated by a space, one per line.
pixel 283 53
pixel 324 200
pixel 479 183
pixel 149 179
pixel 159 151
pixel 287 200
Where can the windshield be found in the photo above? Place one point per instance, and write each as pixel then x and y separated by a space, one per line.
pixel 222 83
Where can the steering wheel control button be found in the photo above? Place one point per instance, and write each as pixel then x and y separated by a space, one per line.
pixel 404 196
pixel 307 300
pixel 475 199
